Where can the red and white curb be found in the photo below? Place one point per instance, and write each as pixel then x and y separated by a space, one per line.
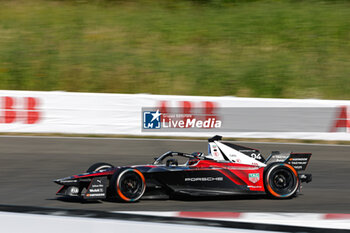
pixel 329 220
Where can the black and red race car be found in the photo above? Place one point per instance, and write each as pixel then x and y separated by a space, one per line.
pixel 228 169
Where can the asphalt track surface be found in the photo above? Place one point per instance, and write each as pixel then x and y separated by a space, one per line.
pixel 29 164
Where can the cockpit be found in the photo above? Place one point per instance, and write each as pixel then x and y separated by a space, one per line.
pixel 171 158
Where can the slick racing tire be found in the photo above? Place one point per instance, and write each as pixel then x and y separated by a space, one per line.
pixel 99 167
pixel 281 180
pixel 128 185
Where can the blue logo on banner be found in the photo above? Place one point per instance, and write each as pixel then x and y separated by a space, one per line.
pixel 151 119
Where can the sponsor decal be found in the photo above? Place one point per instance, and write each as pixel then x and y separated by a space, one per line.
pixel 254 187
pixel 95 195
pixel 299 159
pixel 194 179
pixel 185 117
pixel 342 120
pixel 151 119
pixel 192 123
pixel 96 190
pixel 25 110
pixel 154 120
pixel 74 190
pixel 68 181
pixel 254 177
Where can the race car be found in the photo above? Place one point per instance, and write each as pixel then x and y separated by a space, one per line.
pixel 227 169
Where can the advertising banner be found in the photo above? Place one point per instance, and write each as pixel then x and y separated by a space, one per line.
pixel 168 115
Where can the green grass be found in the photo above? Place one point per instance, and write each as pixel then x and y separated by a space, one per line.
pixel 286 49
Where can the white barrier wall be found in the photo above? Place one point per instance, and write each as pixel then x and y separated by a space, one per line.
pixel 91 113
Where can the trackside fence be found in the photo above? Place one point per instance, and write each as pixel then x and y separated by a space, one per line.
pixel 92 113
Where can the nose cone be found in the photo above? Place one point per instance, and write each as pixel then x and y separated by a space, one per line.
pixel 66 181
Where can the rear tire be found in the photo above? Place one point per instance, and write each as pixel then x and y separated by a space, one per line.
pixel 281 180
pixel 128 185
pixel 99 167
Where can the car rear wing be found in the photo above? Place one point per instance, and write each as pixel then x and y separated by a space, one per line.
pixel 298 160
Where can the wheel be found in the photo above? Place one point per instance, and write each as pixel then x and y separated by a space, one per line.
pixel 281 180
pixel 99 167
pixel 128 185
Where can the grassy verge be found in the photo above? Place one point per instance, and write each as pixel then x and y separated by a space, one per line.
pixel 287 49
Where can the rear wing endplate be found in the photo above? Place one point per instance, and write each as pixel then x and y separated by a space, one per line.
pixel 298 160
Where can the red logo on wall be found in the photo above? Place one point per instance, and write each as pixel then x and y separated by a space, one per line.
pixel 208 109
pixel 341 120
pixel 19 110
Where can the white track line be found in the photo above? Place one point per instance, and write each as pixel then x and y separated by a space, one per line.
pixel 314 220
pixel 18 223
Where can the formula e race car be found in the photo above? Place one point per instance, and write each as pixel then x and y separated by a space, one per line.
pixel 228 169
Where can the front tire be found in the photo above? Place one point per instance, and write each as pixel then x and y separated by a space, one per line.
pixel 99 167
pixel 128 185
pixel 281 180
